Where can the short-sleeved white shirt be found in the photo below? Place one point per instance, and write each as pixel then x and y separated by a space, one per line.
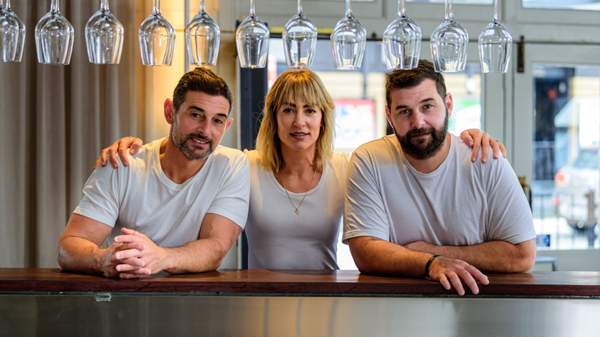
pixel 142 197
pixel 280 239
pixel 459 203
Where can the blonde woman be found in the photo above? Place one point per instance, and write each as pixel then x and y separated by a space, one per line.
pixel 297 181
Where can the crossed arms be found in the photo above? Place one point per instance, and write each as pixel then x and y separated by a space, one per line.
pixel 454 266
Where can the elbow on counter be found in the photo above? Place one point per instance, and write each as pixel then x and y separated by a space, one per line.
pixel 523 258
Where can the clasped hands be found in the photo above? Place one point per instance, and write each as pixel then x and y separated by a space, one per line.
pixel 450 272
pixel 132 255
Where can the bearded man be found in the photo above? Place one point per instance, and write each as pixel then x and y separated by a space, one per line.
pixel 416 205
pixel 180 204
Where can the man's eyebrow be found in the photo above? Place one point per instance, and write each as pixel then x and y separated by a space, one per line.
pixel 194 107
pixel 426 100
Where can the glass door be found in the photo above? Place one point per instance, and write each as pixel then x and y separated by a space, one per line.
pixel 555 130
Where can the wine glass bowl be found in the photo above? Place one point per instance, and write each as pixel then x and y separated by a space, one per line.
pixel 495 48
pixel 299 41
pixel 252 41
pixel 156 39
pixel 12 34
pixel 104 36
pixel 402 44
pixel 349 40
pixel 495 43
pixel 54 36
pixel 449 44
pixel 203 38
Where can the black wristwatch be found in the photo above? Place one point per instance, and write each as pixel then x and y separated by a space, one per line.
pixel 428 264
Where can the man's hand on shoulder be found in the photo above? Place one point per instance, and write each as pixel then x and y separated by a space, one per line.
pixel 138 256
pixel 452 273
pixel 122 148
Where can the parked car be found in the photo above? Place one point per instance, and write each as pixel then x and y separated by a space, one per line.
pixel 574 185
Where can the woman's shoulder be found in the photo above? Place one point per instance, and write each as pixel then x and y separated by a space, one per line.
pixel 253 157
pixel 340 160
pixel 339 164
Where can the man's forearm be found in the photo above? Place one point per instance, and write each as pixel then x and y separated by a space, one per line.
pixel 493 256
pixel 196 256
pixel 379 256
pixel 79 254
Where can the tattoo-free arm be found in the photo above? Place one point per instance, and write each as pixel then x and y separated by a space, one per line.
pixel 492 256
pixel 378 256
pixel 217 236
pixel 79 246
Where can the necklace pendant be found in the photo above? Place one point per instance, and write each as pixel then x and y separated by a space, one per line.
pixel 296 211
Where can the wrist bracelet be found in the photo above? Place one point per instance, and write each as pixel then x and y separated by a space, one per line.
pixel 428 264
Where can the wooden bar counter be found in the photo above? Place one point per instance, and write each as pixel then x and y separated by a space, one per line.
pixel 37 302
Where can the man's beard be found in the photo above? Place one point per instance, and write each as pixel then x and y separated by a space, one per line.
pixel 429 150
pixel 181 143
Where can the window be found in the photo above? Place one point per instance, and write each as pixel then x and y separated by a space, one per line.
pixel 563 4
pixel 566 148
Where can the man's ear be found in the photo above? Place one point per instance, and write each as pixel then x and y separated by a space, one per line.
pixel 388 117
pixel 228 123
pixel 449 103
pixel 169 110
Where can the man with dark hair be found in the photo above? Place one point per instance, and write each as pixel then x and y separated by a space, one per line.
pixel 177 207
pixel 417 206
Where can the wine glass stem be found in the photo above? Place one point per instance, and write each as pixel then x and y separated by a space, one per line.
pixel 55 6
pixel 496 10
pixel 252 8
pixel 104 5
pixel 156 7
pixel 202 6
pixel 5 4
pixel 449 14
pixel 300 10
pixel 348 8
pixel 402 7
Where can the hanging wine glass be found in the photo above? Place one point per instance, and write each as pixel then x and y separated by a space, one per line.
pixel 348 40
pixel 495 44
pixel 203 37
pixel 104 36
pixel 12 34
pixel 252 41
pixel 54 36
pixel 402 41
pixel 156 38
pixel 299 40
pixel 449 43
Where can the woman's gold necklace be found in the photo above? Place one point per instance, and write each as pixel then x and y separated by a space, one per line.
pixel 297 208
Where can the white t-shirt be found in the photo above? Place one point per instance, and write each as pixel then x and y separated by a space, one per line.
pixel 460 203
pixel 142 197
pixel 280 239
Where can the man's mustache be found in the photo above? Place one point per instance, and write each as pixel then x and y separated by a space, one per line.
pixel 419 132
pixel 199 136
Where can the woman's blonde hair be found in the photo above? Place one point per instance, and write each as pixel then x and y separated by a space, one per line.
pixel 290 85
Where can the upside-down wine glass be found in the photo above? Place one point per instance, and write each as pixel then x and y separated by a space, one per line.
pixel 495 44
pixel 449 43
pixel 299 40
pixel 252 41
pixel 156 38
pixel 348 41
pixel 104 36
pixel 54 36
pixel 12 34
pixel 402 41
pixel 203 37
